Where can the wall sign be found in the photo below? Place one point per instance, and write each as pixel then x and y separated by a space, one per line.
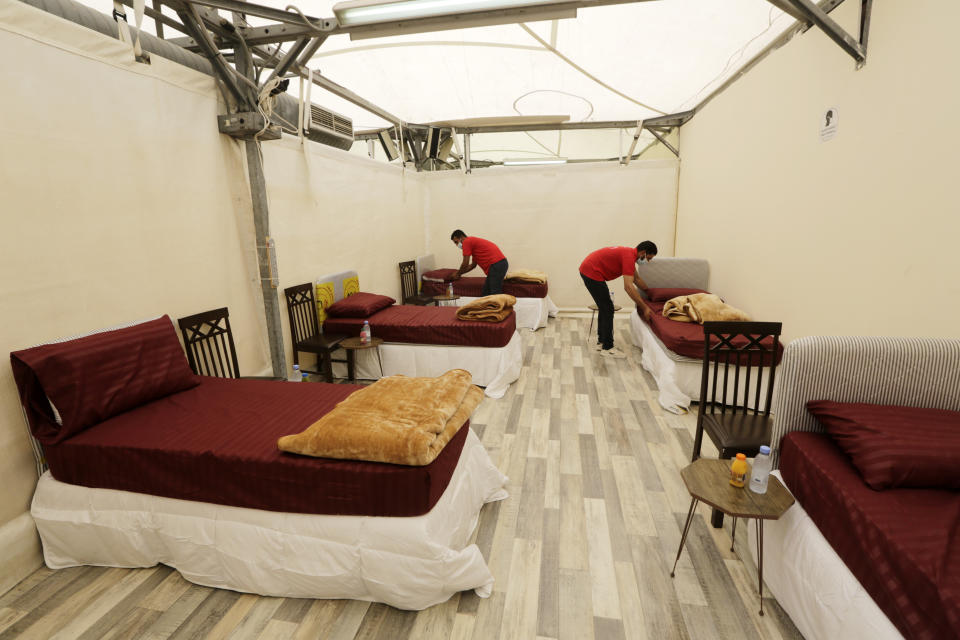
pixel 828 124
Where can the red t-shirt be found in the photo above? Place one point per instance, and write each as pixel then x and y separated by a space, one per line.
pixel 484 252
pixel 609 263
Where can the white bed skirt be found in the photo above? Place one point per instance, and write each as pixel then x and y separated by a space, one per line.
pixel 813 585
pixel 678 378
pixel 409 563
pixel 532 313
pixel 492 367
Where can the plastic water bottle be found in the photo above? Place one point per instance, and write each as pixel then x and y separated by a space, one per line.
pixel 303 377
pixel 611 297
pixel 761 471
pixel 450 290
pixel 365 333
pixel 296 374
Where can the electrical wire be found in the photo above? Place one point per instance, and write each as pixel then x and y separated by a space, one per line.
pixel 559 133
pixel 555 51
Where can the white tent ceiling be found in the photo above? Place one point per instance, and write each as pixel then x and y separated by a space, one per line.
pixel 616 62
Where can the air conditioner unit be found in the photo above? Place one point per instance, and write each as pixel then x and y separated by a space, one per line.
pixel 326 127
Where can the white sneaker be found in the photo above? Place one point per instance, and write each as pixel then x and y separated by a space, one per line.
pixel 613 352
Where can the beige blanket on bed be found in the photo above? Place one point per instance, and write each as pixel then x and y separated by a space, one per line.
pixel 526 275
pixel 488 308
pixel 702 307
pixel 399 420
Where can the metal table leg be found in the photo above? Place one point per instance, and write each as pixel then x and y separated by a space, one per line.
pixel 683 538
pixel 760 561
pixel 733 532
pixel 379 361
pixel 593 314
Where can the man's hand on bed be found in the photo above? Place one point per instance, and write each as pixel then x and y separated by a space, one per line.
pixel 644 311
pixel 455 276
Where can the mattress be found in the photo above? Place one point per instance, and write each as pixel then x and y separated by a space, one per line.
pixel 686 338
pixel 904 549
pixel 427 325
pixel 217 443
pixel 474 286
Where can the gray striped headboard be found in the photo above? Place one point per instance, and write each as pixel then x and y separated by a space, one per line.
pixel 913 372
pixel 691 273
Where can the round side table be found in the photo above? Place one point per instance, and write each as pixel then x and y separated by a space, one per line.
pixel 445 298
pixel 593 314
pixel 352 345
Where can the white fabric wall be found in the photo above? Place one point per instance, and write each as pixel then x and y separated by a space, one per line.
pixel 551 217
pixel 122 201
pixel 857 235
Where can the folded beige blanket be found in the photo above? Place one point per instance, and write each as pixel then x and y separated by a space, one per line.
pixel 526 275
pixel 399 420
pixel 488 309
pixel 702 307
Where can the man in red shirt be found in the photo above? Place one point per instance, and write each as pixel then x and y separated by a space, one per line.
pixel 483 253
pixel 609 264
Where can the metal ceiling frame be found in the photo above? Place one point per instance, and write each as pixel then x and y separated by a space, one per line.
pixel 809 13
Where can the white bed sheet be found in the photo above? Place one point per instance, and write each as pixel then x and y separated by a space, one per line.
pixel 409 563
pixel 494 368
pixel 677 377
pixel 532 313
pixel 813 585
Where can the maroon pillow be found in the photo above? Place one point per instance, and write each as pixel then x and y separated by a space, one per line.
pixel 359 305
pixel 96 377
pixel 439 275
pixel 894 446
pixel 663 294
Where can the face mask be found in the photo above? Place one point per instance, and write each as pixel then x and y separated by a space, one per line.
pixel 642 261
pixel 459 245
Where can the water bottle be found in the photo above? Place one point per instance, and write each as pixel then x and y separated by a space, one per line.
pixel 303 377
pixel 365 333
pixel 296 374
pixel 761 471
pixel 450 290
pixel 612 301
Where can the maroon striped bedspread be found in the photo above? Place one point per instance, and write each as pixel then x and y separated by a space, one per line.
pixel 217 443
pixel 903 545
pixel 686 338
pixel 427 325
pixel 472 287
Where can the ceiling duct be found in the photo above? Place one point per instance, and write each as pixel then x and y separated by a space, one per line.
pixel 326 127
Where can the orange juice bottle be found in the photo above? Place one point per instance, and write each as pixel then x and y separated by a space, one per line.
pixel 738 470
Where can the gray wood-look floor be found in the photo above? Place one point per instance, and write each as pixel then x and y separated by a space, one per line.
pixel 581 549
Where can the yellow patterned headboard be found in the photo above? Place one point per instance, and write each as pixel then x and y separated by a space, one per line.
pixel 333 288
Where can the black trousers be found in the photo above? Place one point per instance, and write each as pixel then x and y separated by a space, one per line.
pixel 601 295
pixel 494 282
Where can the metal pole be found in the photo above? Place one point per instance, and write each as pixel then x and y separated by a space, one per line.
pixel 466 152
pixel 261 226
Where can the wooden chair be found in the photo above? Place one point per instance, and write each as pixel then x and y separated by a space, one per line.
pixel 209 343
pixel 736 388
pixel 305 330
pixel 408 286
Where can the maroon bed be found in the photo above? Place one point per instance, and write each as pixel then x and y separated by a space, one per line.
pixel 148 425
pixel 901 544
pixel 472 287
pixel 426 325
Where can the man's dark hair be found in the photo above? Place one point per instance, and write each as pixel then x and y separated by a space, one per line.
pixel 458 234
pixel 647 246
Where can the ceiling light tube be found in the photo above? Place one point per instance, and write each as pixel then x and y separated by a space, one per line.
pixel 363 12
pixel 528 161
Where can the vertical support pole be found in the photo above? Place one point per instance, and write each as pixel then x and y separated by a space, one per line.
pixel 466 152
pixel 372 148
pixel 261 225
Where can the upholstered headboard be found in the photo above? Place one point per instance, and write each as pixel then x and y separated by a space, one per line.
pixel 334 287
pixel 913 372
pixel 692 273
pixel 424 264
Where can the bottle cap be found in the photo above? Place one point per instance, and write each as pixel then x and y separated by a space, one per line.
pixel 741 456
pixel 764 449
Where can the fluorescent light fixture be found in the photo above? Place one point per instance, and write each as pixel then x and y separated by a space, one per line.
pixel 365 12
pixel 527 161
